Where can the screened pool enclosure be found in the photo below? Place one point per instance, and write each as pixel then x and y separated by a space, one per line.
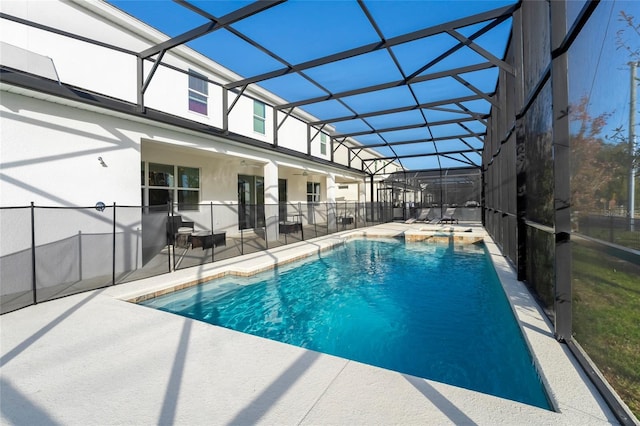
pixel 520 114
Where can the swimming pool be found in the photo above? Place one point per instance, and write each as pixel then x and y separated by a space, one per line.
pixel 435 311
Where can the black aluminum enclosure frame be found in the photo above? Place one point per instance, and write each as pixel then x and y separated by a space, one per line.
pixel 498 132
pixel 491 19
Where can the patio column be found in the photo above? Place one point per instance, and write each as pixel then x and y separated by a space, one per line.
pixel 362 191
pixel 362 200
pixel 331 200
pixel 271 200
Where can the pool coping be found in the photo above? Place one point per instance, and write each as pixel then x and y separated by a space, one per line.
pixel 320 388
pixel 256 263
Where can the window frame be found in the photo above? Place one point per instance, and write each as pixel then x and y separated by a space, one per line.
pixel 323 144
pixel 199 95
pixel 313 196
pixel 257 118
pixel 173 184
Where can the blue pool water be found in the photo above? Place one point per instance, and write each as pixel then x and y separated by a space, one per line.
pixel 429 310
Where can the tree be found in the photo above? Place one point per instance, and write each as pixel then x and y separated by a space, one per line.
pixel 589 173
pixel 628 39
pixel 626 35
pixel 600 163
pixel 592 170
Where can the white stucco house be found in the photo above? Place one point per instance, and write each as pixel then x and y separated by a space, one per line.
pixel 77 130
pixel 69 74
pixel 86 119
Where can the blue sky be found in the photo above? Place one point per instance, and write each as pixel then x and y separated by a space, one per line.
pixel 599 70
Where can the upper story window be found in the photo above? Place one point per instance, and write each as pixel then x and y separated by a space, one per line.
pixel 198 93
pixel 323 144
pixel 259 117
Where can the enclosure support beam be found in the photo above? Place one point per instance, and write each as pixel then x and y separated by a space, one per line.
pixel 139 84
pixel 562 176
pixel 277 125
pixel 521 172
pixel 471 134
pixel 427 105
pixel 486 54
pixel 477 91
pixel 154 68
pixel 408 127
pixel 204 29
pixel 225 109
pixel 431 154
pixel 315 135
pixel 493 16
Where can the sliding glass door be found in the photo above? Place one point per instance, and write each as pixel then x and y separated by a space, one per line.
pixel 250 202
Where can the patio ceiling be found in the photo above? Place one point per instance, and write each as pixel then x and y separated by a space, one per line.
pixel 412 80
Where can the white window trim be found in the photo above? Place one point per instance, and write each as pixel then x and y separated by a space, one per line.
pixel 194 73
pixel 323 144
pixel 263 119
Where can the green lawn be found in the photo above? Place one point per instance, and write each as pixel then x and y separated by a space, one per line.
pixel 606 318
pixel 623 238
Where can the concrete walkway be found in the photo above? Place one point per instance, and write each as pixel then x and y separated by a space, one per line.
pixel 96 359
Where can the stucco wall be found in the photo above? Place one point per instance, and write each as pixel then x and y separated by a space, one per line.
pixel 114 73
pixel 50 155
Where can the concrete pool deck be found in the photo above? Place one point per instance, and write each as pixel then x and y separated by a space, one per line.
pixel 96 359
